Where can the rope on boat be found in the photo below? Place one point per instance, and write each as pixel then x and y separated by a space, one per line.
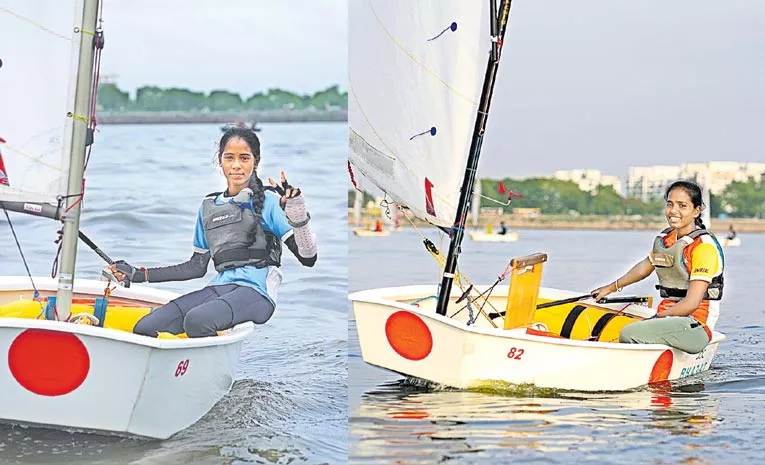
pixel 459 278
pixel 23 259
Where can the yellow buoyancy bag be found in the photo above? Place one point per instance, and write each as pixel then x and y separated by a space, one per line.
pixel 118 317
pixel 583 322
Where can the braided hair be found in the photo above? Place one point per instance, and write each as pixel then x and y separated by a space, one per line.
pixel 255 184
pixel 694 192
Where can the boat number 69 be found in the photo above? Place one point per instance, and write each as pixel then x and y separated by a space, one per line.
pixel 515 354
pixel 180 370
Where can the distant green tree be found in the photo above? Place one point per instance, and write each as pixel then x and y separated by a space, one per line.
pixel 744 199
pixel 111 98
pixel 282 99
pixel 328 98
pixel 606 201
pixel 259 101
pixel 153 98
pixel 149 98
pixel 223 100
pixel 176 99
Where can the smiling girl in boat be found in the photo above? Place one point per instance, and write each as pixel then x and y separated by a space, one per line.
pixel 689 263
pixel 241 229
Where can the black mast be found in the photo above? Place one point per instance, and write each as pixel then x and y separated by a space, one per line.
pixel 498 26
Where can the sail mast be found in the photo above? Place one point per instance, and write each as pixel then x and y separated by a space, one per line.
pixel 77 158
pixel 498 27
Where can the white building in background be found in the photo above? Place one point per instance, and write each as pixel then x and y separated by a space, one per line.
pixel 589 180
pixel 650 182
pixel 718 174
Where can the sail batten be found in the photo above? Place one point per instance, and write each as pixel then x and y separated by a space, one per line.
pixel 37 80
pixel 416 73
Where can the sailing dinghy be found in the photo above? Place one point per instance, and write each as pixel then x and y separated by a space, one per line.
pixel 71 360
pixel 419 104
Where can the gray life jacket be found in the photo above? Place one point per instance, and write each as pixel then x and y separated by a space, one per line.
pixel 235 238
pixel 674 278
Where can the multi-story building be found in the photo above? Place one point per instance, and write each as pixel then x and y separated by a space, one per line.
pixel 589 180
pixel 650 182
pixel 716 175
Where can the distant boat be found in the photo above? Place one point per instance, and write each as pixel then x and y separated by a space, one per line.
pixel 251 125
pixel 482 236
pixel 735 242
pixel 370 232
pixel 491 236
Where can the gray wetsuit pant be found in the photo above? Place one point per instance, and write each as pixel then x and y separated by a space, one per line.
pixel 204 312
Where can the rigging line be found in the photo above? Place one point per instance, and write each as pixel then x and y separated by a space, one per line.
pixel 459 278
pixel 23 18
pixel 485 295
pixel 21 251
pixel 415 60
pixel 36 159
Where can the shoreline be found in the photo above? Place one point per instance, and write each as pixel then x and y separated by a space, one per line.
pixel 586 222
pixel 221 117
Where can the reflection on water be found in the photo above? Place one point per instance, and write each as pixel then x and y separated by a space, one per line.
pixel 421 426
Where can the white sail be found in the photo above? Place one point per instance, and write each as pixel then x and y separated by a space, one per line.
pixel 416 71
pixel 37 79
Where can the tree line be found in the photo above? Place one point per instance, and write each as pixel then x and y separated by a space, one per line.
pixel 153 98
pixel 556 197
pixel 552 196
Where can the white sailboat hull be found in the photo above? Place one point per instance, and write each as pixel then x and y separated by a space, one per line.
pixel 448 352
pixel 735 242
pixel 81 377
pixel 481 236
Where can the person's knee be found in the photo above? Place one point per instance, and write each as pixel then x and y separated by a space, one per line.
pixel 628 335
pixel 145 327
pixel 196 324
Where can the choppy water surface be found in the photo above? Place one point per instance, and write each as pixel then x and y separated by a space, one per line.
pixel 144 186
pixel 708 419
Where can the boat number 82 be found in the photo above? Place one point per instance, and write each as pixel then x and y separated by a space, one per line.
pixel 515 354
pixel 180 370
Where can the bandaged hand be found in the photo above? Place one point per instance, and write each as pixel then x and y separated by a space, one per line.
pixel 295 210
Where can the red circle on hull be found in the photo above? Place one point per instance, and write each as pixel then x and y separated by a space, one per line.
pixel 408 335
pixel 661 368
pixel 48 363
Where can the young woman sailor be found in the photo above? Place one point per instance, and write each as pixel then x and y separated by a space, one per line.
pixel 241 229
pixel 689 263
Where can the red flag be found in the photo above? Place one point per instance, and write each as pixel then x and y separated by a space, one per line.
pixel 3 175
pixel 502 188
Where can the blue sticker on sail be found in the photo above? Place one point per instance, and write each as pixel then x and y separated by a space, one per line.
pixel 452 27
pixel 432 131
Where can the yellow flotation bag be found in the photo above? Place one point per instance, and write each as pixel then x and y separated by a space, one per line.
pixel 121 317
pixel 582 321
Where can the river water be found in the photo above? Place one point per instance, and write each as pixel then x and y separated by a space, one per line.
pixel 144 186
pixel 713 418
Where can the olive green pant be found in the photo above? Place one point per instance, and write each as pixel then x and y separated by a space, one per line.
pixel 681 332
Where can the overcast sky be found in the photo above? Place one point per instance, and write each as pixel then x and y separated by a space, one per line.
pixel 244 46
pixel 583 84
pixel 607 84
